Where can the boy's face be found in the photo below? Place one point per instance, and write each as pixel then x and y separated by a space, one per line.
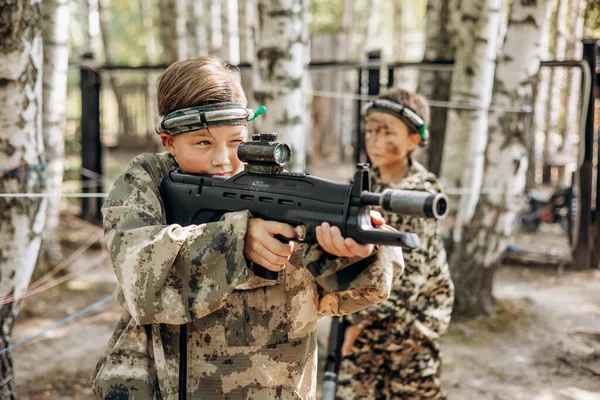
pixel 211 151
pixel 389 141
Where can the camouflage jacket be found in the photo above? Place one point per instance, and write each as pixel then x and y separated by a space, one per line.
pixel 247 337
pixel 422 297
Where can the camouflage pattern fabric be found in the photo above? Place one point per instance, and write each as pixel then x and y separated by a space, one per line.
pixel 248 338
pixel 397 354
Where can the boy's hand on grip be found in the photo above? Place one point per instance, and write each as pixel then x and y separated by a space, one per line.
pixel 332 241
pixel 262 248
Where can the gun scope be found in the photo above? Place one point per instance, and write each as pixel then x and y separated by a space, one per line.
pixel 410 202
pixel 264 150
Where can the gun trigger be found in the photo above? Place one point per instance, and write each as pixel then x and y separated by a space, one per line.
pixel 300 233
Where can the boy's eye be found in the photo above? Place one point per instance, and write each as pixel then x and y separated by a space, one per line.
pixel 237 141
pixel 203 143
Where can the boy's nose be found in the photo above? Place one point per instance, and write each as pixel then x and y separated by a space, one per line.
pixel 221 157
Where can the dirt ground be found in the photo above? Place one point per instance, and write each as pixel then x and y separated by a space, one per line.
pixel 543 343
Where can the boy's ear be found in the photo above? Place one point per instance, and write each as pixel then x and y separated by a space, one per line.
pixel 167 141
pixel 415 140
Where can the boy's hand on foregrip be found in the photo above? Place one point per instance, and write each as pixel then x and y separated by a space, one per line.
pixel 262 248
pixel 332 241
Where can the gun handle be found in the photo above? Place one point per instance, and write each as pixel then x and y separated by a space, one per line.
pixel 265 273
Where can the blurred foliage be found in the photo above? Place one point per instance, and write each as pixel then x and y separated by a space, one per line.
pixel 326 16
pixel 592 18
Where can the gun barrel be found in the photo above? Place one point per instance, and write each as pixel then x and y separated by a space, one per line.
pixel 408 202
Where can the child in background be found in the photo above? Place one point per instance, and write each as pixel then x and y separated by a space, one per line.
pixel 392 349
pixel 247 337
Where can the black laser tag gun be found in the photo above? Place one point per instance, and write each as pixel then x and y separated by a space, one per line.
pixel 297 199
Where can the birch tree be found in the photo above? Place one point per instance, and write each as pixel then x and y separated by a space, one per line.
pixel 215 27
pixel 196 28
pixel 247 18
pixel 556 84
pixel 435 84
pixel 55 27
pixel 408 42
pixel 373 22
pixel 230 51
pixel 279 72
pixel 574 50
pixel 472 82
pixel 541 98
pixel 484 240
pixel 22 159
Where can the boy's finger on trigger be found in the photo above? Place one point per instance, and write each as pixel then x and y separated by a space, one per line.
pixel 281 228
pixel 377 218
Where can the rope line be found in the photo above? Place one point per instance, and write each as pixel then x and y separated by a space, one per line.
pixel 57 324
pixel 57 282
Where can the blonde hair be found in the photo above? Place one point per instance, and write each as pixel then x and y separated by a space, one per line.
pixel 414 101
pixel 196 82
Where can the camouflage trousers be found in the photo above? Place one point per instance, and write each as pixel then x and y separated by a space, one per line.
pixel 410 370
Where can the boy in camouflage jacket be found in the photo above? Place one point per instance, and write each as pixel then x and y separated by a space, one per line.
pixel 247 337
pixel 392 349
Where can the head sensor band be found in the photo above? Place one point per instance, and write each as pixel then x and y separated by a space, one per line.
pixel 408 116
pixel 200 117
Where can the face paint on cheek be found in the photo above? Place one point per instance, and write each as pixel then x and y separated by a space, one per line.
pixel 391 148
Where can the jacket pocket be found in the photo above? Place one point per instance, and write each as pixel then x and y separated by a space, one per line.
pixel 127 371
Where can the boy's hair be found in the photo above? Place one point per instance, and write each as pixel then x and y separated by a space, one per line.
pixel 414 101
pixel 196 82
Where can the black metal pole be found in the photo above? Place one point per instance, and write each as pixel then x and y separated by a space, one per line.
pixel 91 147
pixel 582 255
pixel 358 115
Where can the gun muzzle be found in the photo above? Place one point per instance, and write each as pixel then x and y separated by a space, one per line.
pixel 408 202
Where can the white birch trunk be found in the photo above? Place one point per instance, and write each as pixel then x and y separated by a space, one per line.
pixel 542 88
pixel 215 27
pixel 371 42
pixel 485 239
pixel 196 28
pixel 22 160
pixel 472 82
pixel 231 43
pixel 408 44
pixel 435 84
pixel 556 83
pixel 279 72
pixel 55 27
pixel 575 48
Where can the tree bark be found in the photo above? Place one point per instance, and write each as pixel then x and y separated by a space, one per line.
pixel 472 82
pixel 22 158
pixel 574 52
pixel 278 80
pixel 408 44
pixel 55 27
pixel 372 42
pixel 556 84
pixel 435 84
pixel 215 28
pixel 485 238
pixel 542 89
pixel 196 28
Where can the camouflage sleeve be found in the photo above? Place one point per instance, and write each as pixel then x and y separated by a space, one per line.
pixel 350 284
pixel 400 304
pixel 167 273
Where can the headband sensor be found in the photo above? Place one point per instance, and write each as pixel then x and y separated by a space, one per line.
pixel 405 114
pixel 200 117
